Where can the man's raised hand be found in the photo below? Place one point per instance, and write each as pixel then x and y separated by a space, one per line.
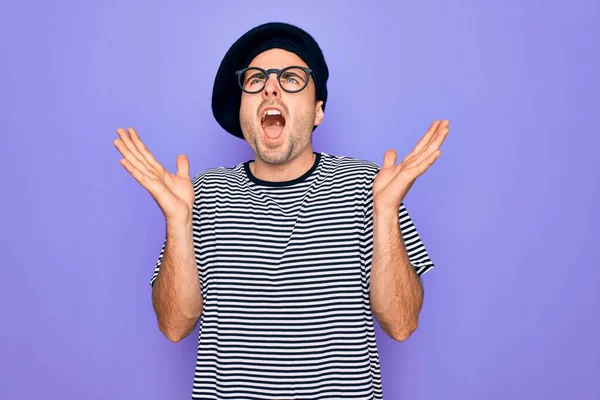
pixel 174 193
pixel 393 181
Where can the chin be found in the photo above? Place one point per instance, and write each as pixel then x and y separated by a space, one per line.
pixel 275 156
pixel 274 153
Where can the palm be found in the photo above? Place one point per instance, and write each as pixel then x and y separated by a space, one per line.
pixel 393 182
pixel 174 193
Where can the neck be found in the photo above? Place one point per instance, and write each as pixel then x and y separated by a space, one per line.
pixel 292 169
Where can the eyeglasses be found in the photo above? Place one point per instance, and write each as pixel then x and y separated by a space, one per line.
pixel 292 79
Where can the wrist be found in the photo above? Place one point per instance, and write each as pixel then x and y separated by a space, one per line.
pixel 179 227
pixel 385 218
pixel 385 212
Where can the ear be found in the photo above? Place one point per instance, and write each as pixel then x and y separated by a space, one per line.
pixel 319 114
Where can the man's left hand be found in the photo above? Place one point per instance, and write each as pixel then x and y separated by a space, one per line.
pixel 393 182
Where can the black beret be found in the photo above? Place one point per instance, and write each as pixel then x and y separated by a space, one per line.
pixel 226 96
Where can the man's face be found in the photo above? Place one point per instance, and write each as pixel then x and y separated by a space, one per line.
pixel 277 139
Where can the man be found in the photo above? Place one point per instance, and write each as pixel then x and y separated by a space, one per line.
pixel 285 259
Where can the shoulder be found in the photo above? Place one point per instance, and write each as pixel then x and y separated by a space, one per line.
pixel 217 176
pixel 345 166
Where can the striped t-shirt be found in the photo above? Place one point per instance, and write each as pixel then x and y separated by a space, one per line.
pixel 284 269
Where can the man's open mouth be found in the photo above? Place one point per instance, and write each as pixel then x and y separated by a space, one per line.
pixel 272 123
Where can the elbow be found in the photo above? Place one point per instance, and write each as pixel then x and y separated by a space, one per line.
pixel 177 332
pixel 402 333
pixel 174 335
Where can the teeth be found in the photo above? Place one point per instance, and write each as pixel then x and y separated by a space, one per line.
pixel 271 112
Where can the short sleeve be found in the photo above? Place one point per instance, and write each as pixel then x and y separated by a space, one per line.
pixel 158 263
pixel 417 253
pixel 415 248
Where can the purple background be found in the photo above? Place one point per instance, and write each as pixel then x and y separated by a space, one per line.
pixel 509 212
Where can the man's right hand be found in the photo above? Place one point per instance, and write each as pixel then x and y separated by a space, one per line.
pixel 174 193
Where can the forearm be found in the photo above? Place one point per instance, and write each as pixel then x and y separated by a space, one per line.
pixel 176 295
pixel 396 291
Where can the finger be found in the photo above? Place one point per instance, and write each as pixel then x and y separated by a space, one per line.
pixel 183 166
pixel 130 157
pixel 126 139
pixel 389 159
pixel 133 171
pixel 135 137
pixel 439 139
pixel 441 126
pixel 426 138
pixel 427 162
pixel 435 143
pixel 151 184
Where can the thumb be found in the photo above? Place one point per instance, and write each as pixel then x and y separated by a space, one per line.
pixel 389 159
pixel 183 166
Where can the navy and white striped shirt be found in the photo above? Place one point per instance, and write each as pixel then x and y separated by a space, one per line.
pixel 284 269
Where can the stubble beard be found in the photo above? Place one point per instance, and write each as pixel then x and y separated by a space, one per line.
pixel 298 136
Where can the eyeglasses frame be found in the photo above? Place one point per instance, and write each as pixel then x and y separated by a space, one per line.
pixel 276 71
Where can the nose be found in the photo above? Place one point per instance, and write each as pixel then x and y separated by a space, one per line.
pixel 271 87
